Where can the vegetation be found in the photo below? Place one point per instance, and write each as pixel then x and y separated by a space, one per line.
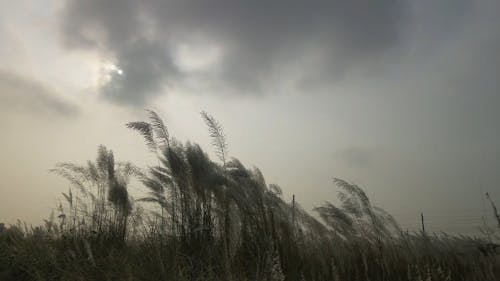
pixel 206 220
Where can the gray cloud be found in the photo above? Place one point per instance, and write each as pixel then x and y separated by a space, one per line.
pixel 22 93
pixel 260 40
pixel 146 66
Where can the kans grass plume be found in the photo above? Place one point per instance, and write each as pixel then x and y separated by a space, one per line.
pixel 200 219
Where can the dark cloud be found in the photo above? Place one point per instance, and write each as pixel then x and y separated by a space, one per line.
pixel 21 93
pixel 145 67
pixel 259 40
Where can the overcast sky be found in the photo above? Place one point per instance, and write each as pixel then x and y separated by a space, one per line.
pixel 400 97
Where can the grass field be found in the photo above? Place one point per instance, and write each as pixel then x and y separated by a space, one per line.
pixel 218 220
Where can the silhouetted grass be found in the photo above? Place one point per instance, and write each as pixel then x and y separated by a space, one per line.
pixel 206 220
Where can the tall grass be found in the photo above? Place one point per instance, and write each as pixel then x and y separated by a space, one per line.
pixel 207 220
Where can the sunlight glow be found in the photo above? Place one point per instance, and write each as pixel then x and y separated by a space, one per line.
pixel 105 72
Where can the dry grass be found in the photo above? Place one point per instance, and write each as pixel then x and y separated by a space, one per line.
pixel 203 220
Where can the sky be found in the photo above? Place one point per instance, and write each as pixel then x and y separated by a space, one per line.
pixel 399 97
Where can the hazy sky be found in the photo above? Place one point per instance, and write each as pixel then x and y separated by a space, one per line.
pixel 400 97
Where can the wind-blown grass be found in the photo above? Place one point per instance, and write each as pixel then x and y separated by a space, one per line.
pixel 206 220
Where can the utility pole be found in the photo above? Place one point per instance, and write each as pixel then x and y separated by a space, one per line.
pixel 423 225
pixel 293 213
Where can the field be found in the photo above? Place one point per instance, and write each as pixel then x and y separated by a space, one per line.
pixel 218 220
